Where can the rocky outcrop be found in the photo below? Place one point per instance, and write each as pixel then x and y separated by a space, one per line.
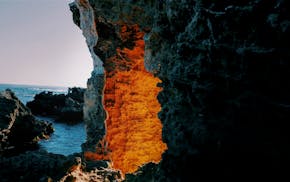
pixel 224 68
pixel 94 113
pixel 41 166
pixel 36 166
pixel 19 130
pixel 32 166
pixel 96 175
pixel 64 108
pixel 131 110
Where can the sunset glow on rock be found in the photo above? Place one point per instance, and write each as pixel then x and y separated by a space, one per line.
pixel 133 130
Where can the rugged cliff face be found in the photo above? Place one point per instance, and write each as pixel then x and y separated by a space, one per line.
pixel 224 68
pixel 122 116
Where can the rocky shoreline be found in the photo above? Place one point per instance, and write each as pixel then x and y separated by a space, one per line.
pixel 67 108
pixel 21 160
pixel 19 130
pixel 41 166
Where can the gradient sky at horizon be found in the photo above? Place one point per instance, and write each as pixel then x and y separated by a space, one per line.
pixel 40 44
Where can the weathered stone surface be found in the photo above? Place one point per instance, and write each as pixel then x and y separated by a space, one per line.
pixel 97 175
pixel 94 113
pixel 225 73
pixel 35 166
pixel 131 110
pixel 38 166
pixel 145 173
pixel 19 130
pixel 64 108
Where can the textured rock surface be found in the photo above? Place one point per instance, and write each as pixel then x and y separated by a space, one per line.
pixel 94 113
pixel 64 108
pixel 36 166
pixel 133 130
pixel 97 175
pixel 224 68
pixel 18 128
pixel 40 166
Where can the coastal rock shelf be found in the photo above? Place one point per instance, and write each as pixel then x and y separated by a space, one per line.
pixel 21 159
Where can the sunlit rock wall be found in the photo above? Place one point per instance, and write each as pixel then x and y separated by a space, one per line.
pixel 132 132
pixel 133 128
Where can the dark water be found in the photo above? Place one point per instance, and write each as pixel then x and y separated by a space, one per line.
pixel 67 138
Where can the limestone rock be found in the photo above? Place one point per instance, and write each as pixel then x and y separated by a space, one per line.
pixel 225 72
pixel 94 113
pixel 98 175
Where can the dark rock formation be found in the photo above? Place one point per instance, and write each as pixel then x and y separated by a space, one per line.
pixel 19 130
pixel 66 108
pixel 41 166
pixel 145 173
pixel 225 72
pixel 36 166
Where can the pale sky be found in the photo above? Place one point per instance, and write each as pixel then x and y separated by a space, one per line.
pixel 40 44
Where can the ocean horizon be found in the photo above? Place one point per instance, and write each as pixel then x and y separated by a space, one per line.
pixel 26 93
pixel 30 85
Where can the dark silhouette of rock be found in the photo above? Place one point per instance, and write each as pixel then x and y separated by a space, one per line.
pixel 64 108
pixel 76 94
pixel 147 172
pixel 35 166
pixel 38 166
pixel 19 130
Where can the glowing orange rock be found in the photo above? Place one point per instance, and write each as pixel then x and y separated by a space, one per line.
pixel 133 130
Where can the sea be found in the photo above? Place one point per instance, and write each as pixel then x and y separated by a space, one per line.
pixel 66 139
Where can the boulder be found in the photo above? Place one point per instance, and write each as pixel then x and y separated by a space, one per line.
pixel 64 108
pixel 41 166
pixel 19 130
pixel 35 166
